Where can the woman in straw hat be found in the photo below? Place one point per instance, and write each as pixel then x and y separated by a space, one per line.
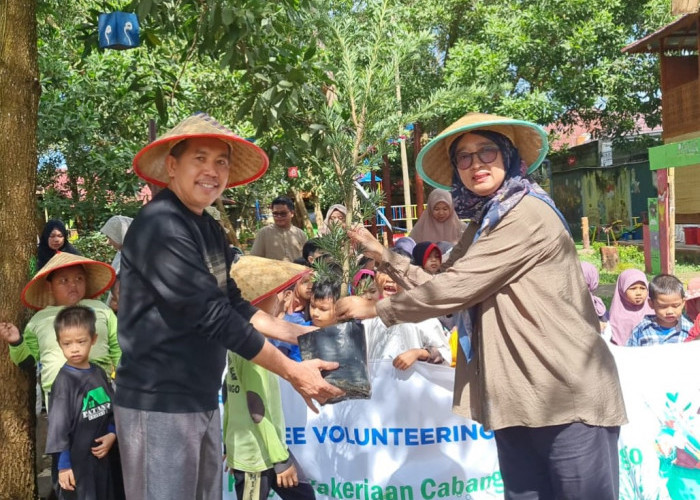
pixel 180 312
pixel 66 280
pixel 532 365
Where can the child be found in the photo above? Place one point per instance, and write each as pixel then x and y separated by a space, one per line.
pixel 254 430
pixel 405 343
pixel 667 325
pixel 428 256
pixel 81 422
pixel 296 299
pixel 363 284
pixel 324 294
pixel 692 308
pixel 590 274
pixel 629 304
pixel 66 280
pixel 439 222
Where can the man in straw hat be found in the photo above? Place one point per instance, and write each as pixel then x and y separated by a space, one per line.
pixel 254 430
pixel 65 280
pixel 180 311
pixel 532 365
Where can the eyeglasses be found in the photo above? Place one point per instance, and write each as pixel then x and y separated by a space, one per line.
pixel 281 214
pixel 465 160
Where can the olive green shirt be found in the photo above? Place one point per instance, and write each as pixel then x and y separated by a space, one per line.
pixel 539 359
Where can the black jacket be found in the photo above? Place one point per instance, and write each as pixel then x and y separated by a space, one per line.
pixel 179 310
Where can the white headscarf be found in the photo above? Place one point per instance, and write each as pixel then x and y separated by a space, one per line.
pixel 325 228
pixel 429 229
pixel 115 229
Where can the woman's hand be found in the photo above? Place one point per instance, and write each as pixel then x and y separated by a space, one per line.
pixel 355 307
pixel 368 244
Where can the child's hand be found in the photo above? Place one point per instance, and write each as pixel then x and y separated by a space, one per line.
pixel 106 442
pixel 288 478
pixel 66 479
pixel 9 332
pixel 406 359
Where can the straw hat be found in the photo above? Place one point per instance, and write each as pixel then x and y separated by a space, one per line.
pixel 248 161
pixel 433 162
pixel 258 278
pixel 100 277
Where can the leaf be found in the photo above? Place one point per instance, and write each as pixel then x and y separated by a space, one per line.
pixel 245 107
pixel 309 52
pixel 227 15
pixel 144 8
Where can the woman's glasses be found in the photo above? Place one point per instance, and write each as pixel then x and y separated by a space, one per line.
pixel 488 154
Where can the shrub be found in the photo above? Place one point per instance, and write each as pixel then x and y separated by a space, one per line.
pixel 94 245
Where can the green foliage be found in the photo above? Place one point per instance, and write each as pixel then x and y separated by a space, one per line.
pixel 94 245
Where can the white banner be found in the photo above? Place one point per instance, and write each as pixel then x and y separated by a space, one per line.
pixel 405 443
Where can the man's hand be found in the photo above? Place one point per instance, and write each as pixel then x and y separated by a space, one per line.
pixel 354 307
pixel 288 478
pixel 106 443
pixel 307 380
pixel 66 479
pixel 368 244
pixel 9 333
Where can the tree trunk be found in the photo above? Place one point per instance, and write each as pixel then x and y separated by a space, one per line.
pixel 300 213
pixel 318 211
pixel 19 101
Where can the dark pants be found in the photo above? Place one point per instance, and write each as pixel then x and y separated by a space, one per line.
pixel 268 480
pixel 562 462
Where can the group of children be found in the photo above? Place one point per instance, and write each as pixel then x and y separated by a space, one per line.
pixel 647 313
pixel 74 339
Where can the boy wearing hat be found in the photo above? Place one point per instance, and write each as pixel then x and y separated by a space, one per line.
pixel 254 429
pixel 180 312
pixel 66 280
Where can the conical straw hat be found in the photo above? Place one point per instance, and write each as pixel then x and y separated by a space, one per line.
pixel 248 161
pixel 258 278
pixel 100 277
pixel 433 162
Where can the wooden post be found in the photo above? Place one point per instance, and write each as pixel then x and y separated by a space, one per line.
pixel 584 233
pixel 373 187
pixel 386 185
pixel 679 7
pixel 664 236
pixel 417 146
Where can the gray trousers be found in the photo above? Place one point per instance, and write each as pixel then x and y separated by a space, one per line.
pixel 560 462
pixel 170 455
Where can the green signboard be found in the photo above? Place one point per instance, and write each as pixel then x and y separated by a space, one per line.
pixel 655 242
pixel 676 154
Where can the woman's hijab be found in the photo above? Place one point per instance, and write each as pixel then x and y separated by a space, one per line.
pixel 487 211
pixel 429 229
pixel 115 229
pixel 590 274
pixel 624 315
pixel 326 227
pixel 44 251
